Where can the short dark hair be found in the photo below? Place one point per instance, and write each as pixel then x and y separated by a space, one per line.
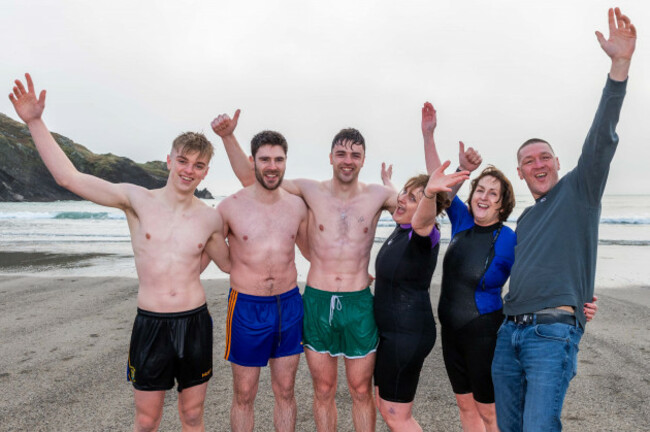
pixel 420 181
pixel 507 193
pixel 533 141
pixel 349 134
pixel 268 137
pixel 190 142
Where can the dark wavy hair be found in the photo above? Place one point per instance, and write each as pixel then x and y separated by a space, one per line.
pixel 268 137
pixel 507 193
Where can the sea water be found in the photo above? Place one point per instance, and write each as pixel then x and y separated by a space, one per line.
pixel 79 238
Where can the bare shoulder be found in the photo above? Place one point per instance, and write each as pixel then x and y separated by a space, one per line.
pixel 296 202
pixel 379 190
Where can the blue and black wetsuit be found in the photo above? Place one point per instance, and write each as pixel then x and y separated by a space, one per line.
pixel 470 307
pixel 403 312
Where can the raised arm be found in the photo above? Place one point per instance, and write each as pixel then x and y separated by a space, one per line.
pixel 439 182
pixel 620 45
pixel 30 109
pixel 429 123
pixel 224 126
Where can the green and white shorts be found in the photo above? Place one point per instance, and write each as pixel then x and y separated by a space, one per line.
pixel 339 323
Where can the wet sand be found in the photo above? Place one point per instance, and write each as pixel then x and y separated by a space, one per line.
pixel 65 341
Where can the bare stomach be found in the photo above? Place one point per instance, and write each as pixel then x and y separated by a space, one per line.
pixel 174 297
pixel 331 280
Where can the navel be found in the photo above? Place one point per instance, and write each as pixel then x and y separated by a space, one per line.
pixel 245 238
pixel 365 230
pixel 148 236
pixel 200 245
pixel 321 227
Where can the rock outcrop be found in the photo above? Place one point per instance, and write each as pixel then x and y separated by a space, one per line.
pixel 24 177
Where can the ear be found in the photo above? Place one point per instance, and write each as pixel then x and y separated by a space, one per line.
pixel 169 162
pixel 250 158
pixel 205 173
pixel 521 177
pixel 331 159
pixel 557 162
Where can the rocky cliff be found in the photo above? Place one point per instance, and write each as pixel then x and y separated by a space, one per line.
pixel 23 176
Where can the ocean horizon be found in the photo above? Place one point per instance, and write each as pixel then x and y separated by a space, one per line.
pixel 80 238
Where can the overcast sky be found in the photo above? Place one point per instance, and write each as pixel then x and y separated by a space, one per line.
pixel 127 77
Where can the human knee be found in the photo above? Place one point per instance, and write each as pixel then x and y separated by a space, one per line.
pixel 145 422
pixel 324 389
pixel 283 392
pixel 192 416
pixel 360 390
pixel 245 396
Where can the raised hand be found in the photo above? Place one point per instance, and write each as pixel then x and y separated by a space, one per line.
pixel 622 36
pixel 386 173
pixel 27 106
pixel 469 159
pixel 223 125
pixel 429 119
pixel 441 182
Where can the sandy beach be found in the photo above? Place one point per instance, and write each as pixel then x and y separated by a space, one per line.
pixel 65 340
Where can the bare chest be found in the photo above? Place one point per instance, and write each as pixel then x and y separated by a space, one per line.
pixel 334 221
pixel 162 233
pixel 263 226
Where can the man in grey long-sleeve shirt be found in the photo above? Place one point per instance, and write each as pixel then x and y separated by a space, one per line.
pixel 555 259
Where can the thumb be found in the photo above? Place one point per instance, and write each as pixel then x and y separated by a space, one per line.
pixel 461 147
pixel 601 38
pixel 41 97
pixel 236 116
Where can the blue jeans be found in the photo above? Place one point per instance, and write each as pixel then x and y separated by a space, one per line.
pixel 531 370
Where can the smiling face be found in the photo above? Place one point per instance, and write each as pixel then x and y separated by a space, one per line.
pixel 407 203
pixel 270 164
pixel 539 167
pixel 347 158
pixel 187 170
pixel 486 201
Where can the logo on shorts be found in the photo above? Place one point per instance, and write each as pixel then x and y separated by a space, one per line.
pixel 205 374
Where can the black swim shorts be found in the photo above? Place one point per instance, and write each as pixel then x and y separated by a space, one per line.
pixel 168 346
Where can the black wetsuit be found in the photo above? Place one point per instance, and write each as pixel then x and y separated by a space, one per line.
pixel 407 329
pixel 470 307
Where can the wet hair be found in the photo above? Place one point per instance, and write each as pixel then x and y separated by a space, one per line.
pixel 420 181
pixel 190 142
pixel 507 193
pixel 533 141
pixel 349 134
pixel 268 137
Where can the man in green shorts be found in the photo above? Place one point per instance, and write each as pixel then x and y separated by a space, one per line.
pixel 343 216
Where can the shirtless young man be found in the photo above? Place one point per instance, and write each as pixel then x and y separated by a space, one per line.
pixel 343 216
pixel 264 223
pixel 170 229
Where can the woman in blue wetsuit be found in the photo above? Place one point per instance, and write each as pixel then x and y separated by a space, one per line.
pixel 475 268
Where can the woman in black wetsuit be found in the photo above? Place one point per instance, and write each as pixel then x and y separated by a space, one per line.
pixel 402 305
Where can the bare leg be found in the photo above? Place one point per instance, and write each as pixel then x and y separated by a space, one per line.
pixel 148 410
pixel 323 368
pixel 190 407
pixel 470 417
pixel 489 415
pixel 398 416
pixel 359 375
pixel 244 384
pixel 283 380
